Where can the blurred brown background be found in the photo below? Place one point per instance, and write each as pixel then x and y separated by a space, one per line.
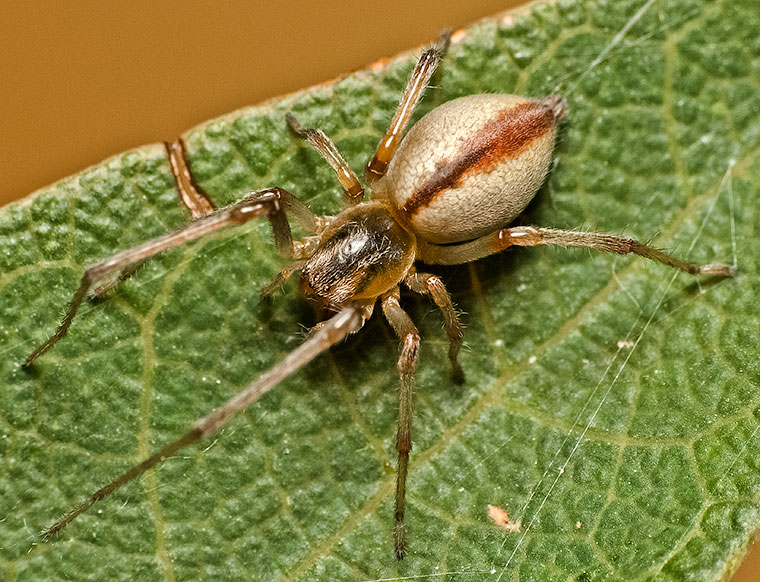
pixel 82 81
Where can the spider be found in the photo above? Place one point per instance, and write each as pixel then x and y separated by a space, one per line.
pixel 443 194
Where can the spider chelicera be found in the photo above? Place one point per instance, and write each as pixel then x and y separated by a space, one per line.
pixel 442 195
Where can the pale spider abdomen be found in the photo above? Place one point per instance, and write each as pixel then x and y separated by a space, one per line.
pixel 472 165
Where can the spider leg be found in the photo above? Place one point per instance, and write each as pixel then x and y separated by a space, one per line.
pixel 123 276
pixel 427 283
pixel 415 87
pixel 282 276
pixel 528 236
pixel 192 196
pixel 352 189
pixel 264 203
pixel 348 320
pixel 407 362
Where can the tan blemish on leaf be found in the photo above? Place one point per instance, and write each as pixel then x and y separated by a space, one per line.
pixel 501 518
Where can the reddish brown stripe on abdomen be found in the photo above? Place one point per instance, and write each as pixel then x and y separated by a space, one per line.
pixel 504 137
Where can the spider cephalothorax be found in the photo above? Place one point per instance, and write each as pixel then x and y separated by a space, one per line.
pixel 443 195
pixel 362 253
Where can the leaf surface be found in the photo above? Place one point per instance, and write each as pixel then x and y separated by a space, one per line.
pixel 611 407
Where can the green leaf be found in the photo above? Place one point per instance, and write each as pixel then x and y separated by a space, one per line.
pixel 610 406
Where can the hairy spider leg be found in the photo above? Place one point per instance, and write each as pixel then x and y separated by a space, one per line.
pixel 415 88
pixel 269 203
pixel 407 362
pixel 199 203
pixel 529 236
pixel 429 284
pixel 348 320
pixel 191 195
pixel 324 146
